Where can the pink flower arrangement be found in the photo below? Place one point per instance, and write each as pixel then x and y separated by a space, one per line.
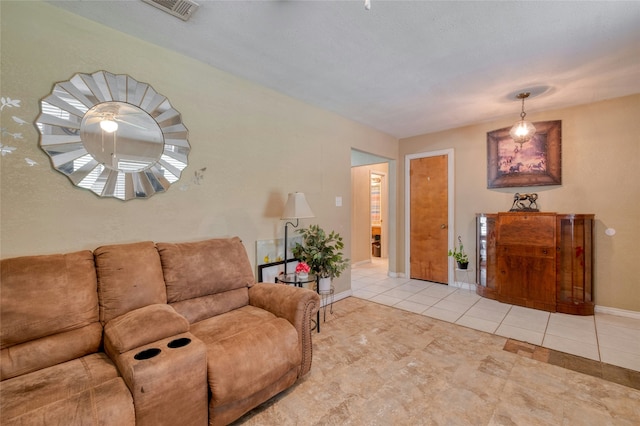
pixel 302 267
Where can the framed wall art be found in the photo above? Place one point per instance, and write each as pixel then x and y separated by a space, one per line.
pixel 268 251
pixel 268 272
pixel 537 162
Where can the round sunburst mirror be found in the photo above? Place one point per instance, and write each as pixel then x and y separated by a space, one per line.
pixel 113 135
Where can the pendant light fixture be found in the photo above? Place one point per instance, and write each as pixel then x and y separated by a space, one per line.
pixel 523 130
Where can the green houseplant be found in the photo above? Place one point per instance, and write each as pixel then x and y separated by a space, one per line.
pixel 459 255
pixel 322 252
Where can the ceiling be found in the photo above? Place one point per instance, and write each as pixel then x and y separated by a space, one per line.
pixel 405 67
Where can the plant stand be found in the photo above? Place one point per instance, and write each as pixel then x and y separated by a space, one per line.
pixel 466 283
pixel 326 298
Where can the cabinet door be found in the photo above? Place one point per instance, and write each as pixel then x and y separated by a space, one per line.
pixel 527 276
pixel 574 264
pixel 486 259
pixel 526 260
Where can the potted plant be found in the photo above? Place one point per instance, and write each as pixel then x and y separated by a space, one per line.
pixel 459 255
pixel 302 270
pixel 322 252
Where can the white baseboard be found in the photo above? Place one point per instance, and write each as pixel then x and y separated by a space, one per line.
pixel 618 312
pixel 343 295
pixel 336 296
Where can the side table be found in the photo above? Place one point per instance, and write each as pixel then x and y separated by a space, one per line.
pixel 294 279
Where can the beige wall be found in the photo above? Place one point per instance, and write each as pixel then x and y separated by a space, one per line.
pixel 257 145
pixel 600 175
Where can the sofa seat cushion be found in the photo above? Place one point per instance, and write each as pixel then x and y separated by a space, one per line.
pixel 86 390
pixel 248 349
pixel 48 351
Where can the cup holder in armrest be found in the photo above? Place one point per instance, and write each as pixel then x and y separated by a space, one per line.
pixel 147 354
pixel 178 343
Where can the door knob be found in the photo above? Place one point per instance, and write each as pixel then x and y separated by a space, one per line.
pixel 443 226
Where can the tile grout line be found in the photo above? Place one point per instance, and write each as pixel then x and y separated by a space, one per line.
pixel 595 327
pixel 546 327
pixel 504 317
pixel 467 310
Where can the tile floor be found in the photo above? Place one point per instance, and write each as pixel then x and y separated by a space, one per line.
pixel 607 338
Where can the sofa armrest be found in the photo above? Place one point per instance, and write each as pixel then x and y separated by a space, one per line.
pixel 168 381
pixel 142 326
pixel 297 305
pixel 163 365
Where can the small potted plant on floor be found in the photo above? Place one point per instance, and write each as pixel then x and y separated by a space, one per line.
pixel 322 252
pixel 459 255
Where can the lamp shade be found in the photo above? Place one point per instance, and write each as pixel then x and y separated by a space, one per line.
pixel 297 207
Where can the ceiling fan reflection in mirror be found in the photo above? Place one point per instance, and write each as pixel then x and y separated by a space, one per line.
pixel 182 9
pixel 109 114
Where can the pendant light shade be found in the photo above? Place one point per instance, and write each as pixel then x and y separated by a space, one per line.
pixel 523 130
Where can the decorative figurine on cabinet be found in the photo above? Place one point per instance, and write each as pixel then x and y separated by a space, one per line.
pixel 519 203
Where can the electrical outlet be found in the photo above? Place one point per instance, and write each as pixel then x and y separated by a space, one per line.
pixel 338 201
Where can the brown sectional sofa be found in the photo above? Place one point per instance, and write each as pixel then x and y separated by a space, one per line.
pixel 146 334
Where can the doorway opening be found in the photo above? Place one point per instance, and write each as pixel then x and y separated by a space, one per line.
pixel 373 211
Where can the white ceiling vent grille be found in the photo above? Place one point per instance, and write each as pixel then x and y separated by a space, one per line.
pixel 183 9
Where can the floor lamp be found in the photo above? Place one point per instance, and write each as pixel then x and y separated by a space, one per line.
pixel 296 208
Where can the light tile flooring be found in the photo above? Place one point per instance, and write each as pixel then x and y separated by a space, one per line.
pixel 607 338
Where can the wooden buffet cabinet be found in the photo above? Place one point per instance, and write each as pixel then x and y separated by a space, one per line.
pixel 538 260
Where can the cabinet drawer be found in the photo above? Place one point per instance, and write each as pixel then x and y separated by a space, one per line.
pixel 538 229
pixel 526 251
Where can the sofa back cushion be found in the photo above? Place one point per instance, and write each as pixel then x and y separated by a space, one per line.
pixel 129 277
pixel 48 311
pixel 206 278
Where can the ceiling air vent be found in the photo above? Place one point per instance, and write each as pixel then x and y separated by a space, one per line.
pixel 183 9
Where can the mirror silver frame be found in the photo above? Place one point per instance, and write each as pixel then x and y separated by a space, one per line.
pixel 146 149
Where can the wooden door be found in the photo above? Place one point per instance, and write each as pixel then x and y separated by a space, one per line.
pixel 429 218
